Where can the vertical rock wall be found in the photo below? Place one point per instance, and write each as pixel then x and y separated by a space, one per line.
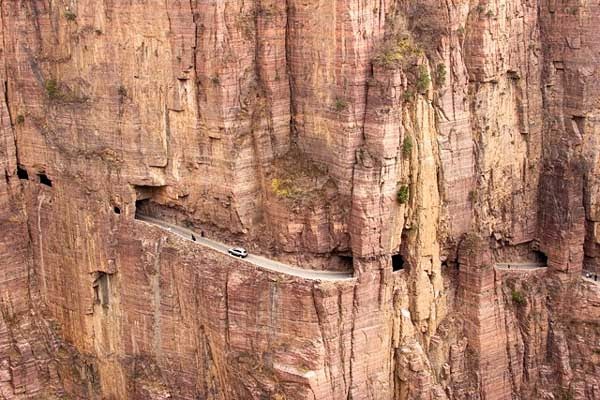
pixel 330 134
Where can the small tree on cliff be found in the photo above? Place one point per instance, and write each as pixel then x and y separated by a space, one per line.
pixel 403 194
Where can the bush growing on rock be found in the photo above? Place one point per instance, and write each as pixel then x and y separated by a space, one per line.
pixel 440 74
pixel 423 79
pixel 284 188
pixel 397 50
pixel 62 93
pixel 407 146
pixel 340 104
pixel 472 196
pixel 518 297
pixel 52 88
pixel 70 15
pixel 403 194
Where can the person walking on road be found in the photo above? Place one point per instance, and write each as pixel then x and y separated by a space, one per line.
pixel 193 237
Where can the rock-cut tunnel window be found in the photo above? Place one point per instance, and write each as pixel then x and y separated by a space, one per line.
pixel 397 262
pixel 145 196
pixel 44 180
pixel 541 258
pixel 22 173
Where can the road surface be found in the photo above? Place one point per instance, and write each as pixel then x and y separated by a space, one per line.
pixel 589 276
pixel 533 266
pixel 520 266
pixel 259 261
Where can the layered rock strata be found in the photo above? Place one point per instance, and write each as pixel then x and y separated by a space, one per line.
pixel 414 144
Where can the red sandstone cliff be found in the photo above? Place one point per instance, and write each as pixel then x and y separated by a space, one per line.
pixel 333 135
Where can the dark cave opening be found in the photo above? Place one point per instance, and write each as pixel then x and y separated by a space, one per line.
pixel 541 258
pixel 142 207
pixel 117 210
pixel 346 261
pixel 44 180
pixel 22 173
pixel 145 199
pixel 397 262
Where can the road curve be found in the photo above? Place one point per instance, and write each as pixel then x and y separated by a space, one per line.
pixel 259 261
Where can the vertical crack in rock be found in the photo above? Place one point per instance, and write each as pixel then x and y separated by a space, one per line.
pixel 40 243
pixel 353 357
pixel 227 321
pixel 290 73
pixel 155 279
pixel 342 344
pixel 319 311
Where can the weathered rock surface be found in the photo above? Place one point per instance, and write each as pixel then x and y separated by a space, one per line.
pixel 414 143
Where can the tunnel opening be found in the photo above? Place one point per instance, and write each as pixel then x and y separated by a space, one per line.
pixel 117 210
pixel 44 180
pixel 397 262
pixel 346 262
pixel 145 197
pixel 101 288
pixel 541 258
pixel 142 207
pixel 22 173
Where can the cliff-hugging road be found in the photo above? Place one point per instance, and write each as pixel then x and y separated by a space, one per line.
pixel 259 261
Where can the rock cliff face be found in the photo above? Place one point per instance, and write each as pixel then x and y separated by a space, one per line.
pixel 419 146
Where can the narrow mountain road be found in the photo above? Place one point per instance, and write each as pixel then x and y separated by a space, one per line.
pixel 520 266
pixel 587 275
pixel 259 261
pixel 590 276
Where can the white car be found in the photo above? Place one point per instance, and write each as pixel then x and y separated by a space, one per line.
pixel 238 252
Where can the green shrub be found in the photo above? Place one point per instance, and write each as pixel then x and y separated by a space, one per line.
pixel 397 50
pixel 403 194
pixel 340 104
pixel 440 74
pixel 70 15
pixel 20 119
pixel 409 95
pixel 62 94
pixel 407 146
pixel 423 79
pixel 122 91
pixel 472 196
pixel 52 89
pixel 284 188
pixel 215 80
pixel 518 297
